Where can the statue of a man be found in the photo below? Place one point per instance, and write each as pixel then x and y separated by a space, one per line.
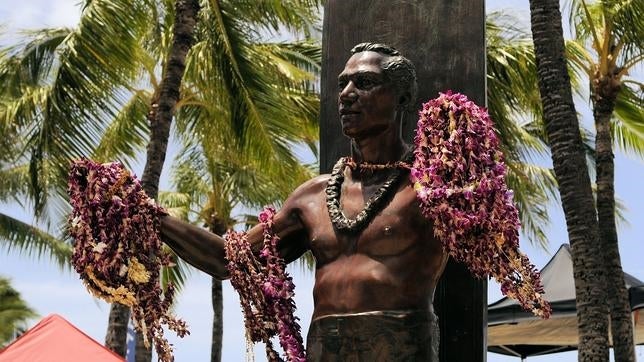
pixel 377 260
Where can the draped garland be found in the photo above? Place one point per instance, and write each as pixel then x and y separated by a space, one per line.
pixel 117 250
pixel 459 177
pixel 265 290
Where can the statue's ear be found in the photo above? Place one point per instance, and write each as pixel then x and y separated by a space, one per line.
pixel 404 99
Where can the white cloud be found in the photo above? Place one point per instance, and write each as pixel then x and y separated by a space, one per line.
pixel 33 14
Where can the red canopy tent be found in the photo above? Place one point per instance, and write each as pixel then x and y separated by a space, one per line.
pixel 54 339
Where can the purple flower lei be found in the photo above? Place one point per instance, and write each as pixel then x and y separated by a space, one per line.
pixel 459 178
pixel 117 251
pixel 265 291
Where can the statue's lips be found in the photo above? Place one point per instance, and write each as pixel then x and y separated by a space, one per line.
pixel 347 113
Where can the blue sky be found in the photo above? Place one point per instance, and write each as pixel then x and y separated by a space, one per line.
pixel 49 290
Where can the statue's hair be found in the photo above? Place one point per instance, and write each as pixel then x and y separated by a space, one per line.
pixel 398 69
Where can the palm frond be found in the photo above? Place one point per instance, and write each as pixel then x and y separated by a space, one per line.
pixel 94 65
pixel 28 239
pixel 295 16
pixel 32 63
pixel 620 212
pixel 534 187
pixel 176 274
pixel 628 138
pixel 625 17
pixel 127 134
pixel 511 67
pixel 176 203
pixel 14 181
pixel 257 108
pixel 14 311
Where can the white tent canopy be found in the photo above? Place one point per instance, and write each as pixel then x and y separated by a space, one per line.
pixel 513 331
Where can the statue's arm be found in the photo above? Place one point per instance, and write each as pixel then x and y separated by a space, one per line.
pixel 205 250
pixel 197 246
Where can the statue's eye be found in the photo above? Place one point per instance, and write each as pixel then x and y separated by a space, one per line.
pixel 367 84
pixel 364 83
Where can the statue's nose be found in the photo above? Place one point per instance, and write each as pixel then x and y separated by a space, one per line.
pixel 348 94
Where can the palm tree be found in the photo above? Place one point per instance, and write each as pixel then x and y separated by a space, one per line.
pixel 609 40
pixel 160 119
pixel 14 186
pixel 20 75
pixel 514 105
pixel 72 90
pixel 62 88
pixel 19 235
pixel 14 312
pixel 254 102
pixel 218 183
pixel 274 100
pixel 562 129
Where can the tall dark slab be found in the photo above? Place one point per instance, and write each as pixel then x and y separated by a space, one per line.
pixel 446 42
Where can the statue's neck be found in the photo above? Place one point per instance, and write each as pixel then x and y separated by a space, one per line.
pixel 378 150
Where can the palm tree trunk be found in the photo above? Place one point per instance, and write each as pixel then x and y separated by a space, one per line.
pixel 160 121
pixel 162 111
pixel 617 294
pixel 116 337
pixel 218 226
pixel 141 352
pixel 562 129
pixel 217 320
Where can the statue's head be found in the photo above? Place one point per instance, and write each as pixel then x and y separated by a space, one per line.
pixel 399 70
pixel 375 89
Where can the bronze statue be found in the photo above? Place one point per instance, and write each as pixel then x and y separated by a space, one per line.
pixel 377 260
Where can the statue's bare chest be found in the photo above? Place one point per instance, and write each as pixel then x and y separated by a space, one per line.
pixel 393 230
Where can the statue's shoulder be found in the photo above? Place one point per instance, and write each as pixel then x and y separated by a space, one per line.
pixel 309 191
pixel 314 185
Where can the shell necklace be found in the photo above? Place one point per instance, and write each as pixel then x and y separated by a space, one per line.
pixel 376 202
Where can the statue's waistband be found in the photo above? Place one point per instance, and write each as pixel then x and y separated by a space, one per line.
pixel 419 314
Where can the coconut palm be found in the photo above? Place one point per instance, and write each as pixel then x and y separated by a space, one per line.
pixel 63 86
pixel 160 119
pixel 562 130
pixel 14 187
pixel 514 105
pixel 218 185
pixel 609 44
pixel 78 91
pixel 14 312
pixel 18 235
pixel 267 99
pixel 240 140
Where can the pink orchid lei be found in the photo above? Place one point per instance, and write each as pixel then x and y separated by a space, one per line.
pixel 265 291
pixel 459 177
pixel 117 250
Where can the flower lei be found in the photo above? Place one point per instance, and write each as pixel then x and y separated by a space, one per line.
pixel 375 203
pixel 117 250
pixel 459 177
pixel 265 291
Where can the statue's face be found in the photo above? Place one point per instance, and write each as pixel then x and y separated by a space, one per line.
pixel 366 100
